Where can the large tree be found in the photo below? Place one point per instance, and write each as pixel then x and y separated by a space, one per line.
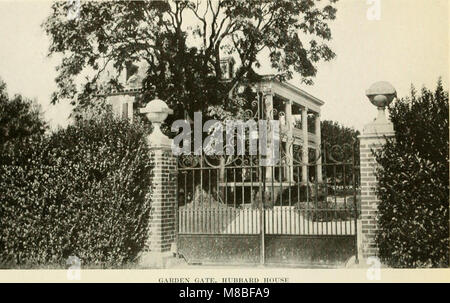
pixel 339 144
pixel 333 133
pixel 183 43
pixel 20 118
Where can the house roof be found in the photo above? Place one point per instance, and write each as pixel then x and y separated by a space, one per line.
pixel 294 89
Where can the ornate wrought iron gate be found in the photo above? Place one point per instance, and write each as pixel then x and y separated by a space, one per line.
pixel 234 209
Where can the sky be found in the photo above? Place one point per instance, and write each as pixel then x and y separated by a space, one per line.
pixel 407 44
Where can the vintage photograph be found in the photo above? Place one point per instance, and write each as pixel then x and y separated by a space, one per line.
pixel 224 134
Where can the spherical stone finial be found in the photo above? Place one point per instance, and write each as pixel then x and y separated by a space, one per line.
pixel 381 93
pixel 157 112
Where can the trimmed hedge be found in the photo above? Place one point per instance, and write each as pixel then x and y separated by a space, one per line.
pixel 414 183
pixel 82 191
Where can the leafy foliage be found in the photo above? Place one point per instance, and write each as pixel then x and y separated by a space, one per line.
pixel 414 183
pixel 20 118
pixel 183 42
pixel 339 144
pixel 335 134
pixel 84 191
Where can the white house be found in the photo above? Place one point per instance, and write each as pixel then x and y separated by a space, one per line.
pixel 299 126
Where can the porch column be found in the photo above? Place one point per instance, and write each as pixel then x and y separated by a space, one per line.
pixel 289 142
pixel 128 104
pixel 318 149
pixel 130 109
pixel 305 159
pixel 268 103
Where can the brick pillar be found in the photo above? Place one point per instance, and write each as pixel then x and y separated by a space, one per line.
pixel 369 200
pixel 372 139
pixel 163 188
pixel 162 223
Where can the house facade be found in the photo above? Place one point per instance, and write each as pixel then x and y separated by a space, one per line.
pixel 297 111
pixel 299 122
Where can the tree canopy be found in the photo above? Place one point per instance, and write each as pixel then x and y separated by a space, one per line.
pixel 339 141
pixel 20 118
pixel 183 43
pixel 334 133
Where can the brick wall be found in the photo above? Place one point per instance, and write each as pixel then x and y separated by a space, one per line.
pixel 164 202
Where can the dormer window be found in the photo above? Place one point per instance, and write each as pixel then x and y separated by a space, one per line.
pixel 130 70
pixel 227 68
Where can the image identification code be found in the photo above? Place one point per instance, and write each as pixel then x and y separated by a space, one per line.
pixel 227 292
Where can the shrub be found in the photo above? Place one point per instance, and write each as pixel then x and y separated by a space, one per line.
pixel 84 191
pixel 327 211
pixel 413 183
